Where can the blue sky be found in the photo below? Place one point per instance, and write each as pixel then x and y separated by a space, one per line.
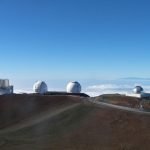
pixel 74 39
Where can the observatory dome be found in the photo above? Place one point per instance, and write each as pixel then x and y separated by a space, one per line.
pixel 73 87
pixel 138 90
pixel 40 87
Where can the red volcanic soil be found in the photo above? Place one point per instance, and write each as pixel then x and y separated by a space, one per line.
pixel 15 108
pixel 85 127
pixel 119 100
pixel 108 129
pixel 122 100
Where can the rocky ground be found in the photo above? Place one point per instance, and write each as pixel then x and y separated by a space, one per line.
pixel 123 100
pixel 83 126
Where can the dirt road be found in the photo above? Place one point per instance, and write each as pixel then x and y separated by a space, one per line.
pixel 37 119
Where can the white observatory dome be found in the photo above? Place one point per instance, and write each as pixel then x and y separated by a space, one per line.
pixel 73 87
pixel 138 90
pixel 40 87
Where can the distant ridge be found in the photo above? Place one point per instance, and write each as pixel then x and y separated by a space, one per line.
pixel 134 78
pixel 65 93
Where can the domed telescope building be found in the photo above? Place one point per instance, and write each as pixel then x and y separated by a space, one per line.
pixel 138 90
pixel 40 87
pixel 5 87
pixel 73 87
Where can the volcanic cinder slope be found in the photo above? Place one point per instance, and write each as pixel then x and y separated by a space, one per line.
pixel 69 123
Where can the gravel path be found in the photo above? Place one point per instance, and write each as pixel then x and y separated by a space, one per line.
pixel 37 119
pixel 119 107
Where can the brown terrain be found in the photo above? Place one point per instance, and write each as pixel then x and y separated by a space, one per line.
pixel 34 122
pixel 122 100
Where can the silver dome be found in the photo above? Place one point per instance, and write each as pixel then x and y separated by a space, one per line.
pixel 73 87
pixel 138 90
pixel 40 87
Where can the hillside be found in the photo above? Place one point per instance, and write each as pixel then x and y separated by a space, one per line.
pixel 84 126
pixel 16 108
pixel 123 100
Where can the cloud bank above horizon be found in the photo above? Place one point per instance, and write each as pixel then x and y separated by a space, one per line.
pixel 120 86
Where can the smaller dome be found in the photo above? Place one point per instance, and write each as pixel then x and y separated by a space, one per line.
pixel 40 87
pixel 73 87
pixel 138 90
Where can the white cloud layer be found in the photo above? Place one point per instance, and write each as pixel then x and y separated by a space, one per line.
pixel 23 91
pixel 103 87
pixel 96 90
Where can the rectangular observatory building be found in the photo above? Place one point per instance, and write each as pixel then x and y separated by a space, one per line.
pixel 5 88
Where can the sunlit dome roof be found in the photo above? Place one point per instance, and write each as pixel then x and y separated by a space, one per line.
pixel 138 90
pixel 40 87
pixel 73 87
